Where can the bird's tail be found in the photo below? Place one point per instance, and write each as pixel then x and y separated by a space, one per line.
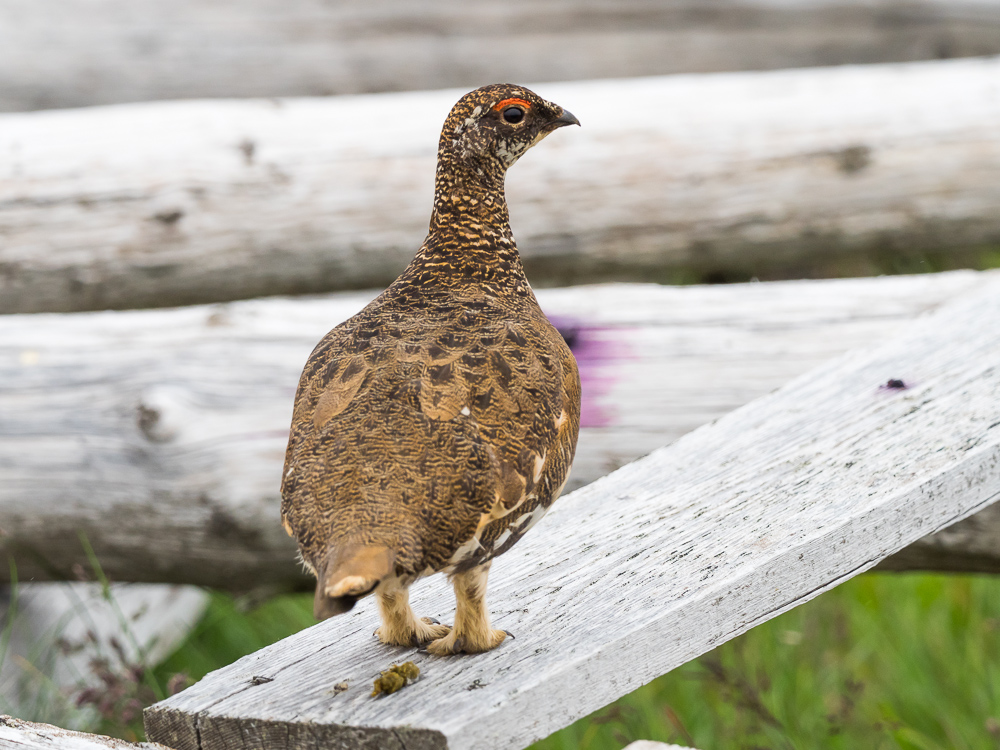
pixel 351 572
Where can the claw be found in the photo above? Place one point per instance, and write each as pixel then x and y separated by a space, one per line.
pixel 431 621
pixel 457 646
pixel 511 635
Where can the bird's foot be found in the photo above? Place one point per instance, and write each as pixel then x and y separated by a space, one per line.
pixel 470 642
pixel 418 633
pixel 429 629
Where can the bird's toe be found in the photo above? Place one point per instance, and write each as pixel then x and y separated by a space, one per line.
pixel 422 632
pixel 469 643
pixel 495 638
pixel 428 630
pixel 450 644
pixel 391 638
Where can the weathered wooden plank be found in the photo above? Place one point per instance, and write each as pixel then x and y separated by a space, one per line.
pixel 16 734
pixel 971 545
pixel 77 53
pixel 160 434
pixel 658 562
pixel 779 174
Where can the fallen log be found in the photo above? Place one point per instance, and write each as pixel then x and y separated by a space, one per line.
pixel 159 435
pixel 655 564
pixel 137 50
pixel 16 734
pixel 729 176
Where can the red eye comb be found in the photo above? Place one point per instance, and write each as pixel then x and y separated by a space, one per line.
pixel 511 103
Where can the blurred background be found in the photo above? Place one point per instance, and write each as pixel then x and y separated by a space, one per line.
pixel 175 176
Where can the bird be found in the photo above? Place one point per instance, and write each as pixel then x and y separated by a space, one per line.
pixel 434 428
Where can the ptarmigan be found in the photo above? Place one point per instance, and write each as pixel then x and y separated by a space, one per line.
pixel 436 426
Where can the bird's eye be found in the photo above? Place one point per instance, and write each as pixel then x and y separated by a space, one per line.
pixel 513 115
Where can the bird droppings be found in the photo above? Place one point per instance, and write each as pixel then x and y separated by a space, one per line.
pixel 395 678
pixel 340 687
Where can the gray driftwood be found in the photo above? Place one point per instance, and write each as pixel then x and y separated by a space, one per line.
pixel 647 568
pixel 76 52
pixel 160 434
pixel 786 173
pixel 16 734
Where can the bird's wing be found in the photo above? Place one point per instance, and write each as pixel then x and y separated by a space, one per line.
pixel 383 448
pixel 425 438
pixel 528 408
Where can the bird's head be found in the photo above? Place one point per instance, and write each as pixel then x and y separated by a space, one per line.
pixel 493 126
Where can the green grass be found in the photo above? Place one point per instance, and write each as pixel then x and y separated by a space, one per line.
pixel 885 661
pixel 882 662
pixel 227 632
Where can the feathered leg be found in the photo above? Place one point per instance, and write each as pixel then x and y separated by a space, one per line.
pixel 472 632
pixel 400 627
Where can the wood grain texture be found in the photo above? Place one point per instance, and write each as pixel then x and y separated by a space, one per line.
pixel 16 734
pixel 77 52
pixel 971 545
pixel 160 434
pixel 786 173
pixel 661 561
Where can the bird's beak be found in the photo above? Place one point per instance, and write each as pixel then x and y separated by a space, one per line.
pixel 567 118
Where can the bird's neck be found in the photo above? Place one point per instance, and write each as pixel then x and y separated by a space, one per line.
pixel 469 195
pixel 469 232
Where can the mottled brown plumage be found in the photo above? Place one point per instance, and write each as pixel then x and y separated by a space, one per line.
pixel 433 428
